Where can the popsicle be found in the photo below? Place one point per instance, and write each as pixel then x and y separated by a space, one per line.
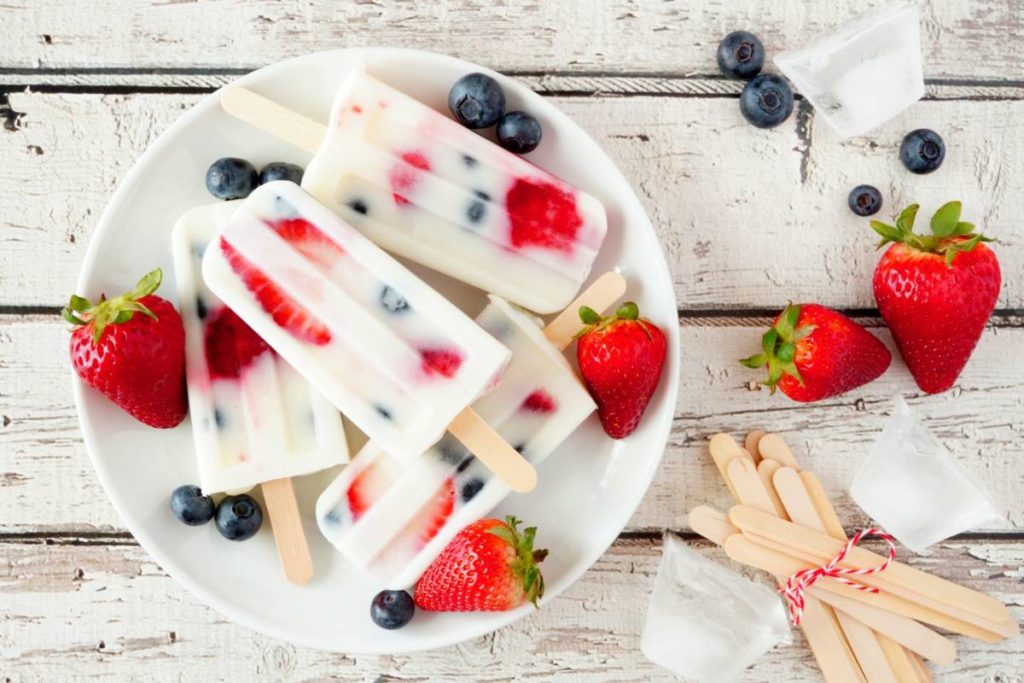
pixel 392 520
pixel 255 420
pixel 397 358
pixel 422 186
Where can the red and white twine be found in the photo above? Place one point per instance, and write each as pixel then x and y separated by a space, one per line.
pixel 804 579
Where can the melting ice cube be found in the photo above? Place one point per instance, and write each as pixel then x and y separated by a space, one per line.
pixel 706 622
pixel 915 489
pixel 865 73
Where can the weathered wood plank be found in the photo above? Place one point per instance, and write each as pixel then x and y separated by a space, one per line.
pixel 109 612
pixel 961 40
pixel 47 483
pixel 747 218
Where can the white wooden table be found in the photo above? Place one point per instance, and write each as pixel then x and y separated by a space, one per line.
pixel 748 219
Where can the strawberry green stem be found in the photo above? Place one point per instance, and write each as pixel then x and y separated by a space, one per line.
pixel 950 235
pixel 120 309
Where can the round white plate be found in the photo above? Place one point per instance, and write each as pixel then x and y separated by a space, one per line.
pixel 588 489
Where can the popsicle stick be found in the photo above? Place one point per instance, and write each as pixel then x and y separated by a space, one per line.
pixel 772 447
pixel 800 508
pixel 715 526
pixel 898 659
pixel 751 443
pixel 742 549
pixel 289 535
pixel 493 451
pixel 273 118
pixel 723 449
pixel 898 575
pixel 765 470
pixel 924 673
pixel 819 623
pixel 604 292
pixel 941 650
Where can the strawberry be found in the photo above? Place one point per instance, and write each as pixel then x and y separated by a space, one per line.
pixel 132 349
pixel 935 292
pixel 366 488
pixel 286 312
pixel 309 241
pixel 488 567
pixel 813 352
pixel 541 215
pixel 621 358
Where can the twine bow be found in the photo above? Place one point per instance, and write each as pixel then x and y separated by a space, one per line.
pixel 797 584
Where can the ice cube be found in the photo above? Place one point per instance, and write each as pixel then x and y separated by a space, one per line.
pixel 914 488
pixel 706 622
pixel 865 73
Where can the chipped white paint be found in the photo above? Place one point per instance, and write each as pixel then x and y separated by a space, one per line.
pixel 748 218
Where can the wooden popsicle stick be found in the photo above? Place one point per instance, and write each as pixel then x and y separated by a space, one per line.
pixel 604 292
pixel 273 118
pixel 924 673
pixel 493 451
pixel 751 443
pixel 819 623
pixel 897 658
pixel 1006 629
pixel 715 526
pixel 723 449
pixel 765 470
pixel 943 650
pixel 742 549
pixel 290 537
pixel 899 575
pixel 800 508
pixel 773 447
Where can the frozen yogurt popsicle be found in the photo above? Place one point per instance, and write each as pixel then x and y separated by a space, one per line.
pixel 254 418
pixel 393 355
pixel 391 520
pixel 422 186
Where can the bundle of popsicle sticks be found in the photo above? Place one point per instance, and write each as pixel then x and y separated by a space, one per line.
pixel 784 524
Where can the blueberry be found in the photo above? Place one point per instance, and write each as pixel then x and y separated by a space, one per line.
pixel 279 170
pixel 200 308
pixel 392 609
pixel 452 451
pixel 382 411
pixel 359 206
pixel 469 161
pixel 471 488
pixel 475 211
pixel 190 506
pixel 766 101
pixel 518 132
pixel 231 178
pixel 922 151
pixel 239 517
pixel 476 100
pixel 392 301
pixel 218 418
pixel 865 200
pixel 740 55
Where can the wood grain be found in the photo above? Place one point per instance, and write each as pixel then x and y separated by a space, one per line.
pixel 109 612
pixel 48 484
pixel 747 218
pixel 961 40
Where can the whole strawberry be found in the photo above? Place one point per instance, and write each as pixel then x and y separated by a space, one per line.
pixel 132 349
pixel 488 567
pixel 620 358
pixel 935 292
pixel 813 352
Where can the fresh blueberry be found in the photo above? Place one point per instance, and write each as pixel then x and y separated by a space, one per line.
pixel 451 450
pixel 200 307
pixel 359 206
pixel 865 200
pixel 218 418
pixel 475 211
pixel 190 506
pixel 476 100
pixel 471 488
pixel 766 101
pixel 382 411
pixel 392 301
pixel 740 55
pixel 922 151
pixel 239 517
pixel 231 178
pixel 518 132
pixel 279 170
pixel 392 609
pixel 469 161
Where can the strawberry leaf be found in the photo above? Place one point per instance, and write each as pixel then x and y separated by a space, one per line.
pixel 887 232
pixel 589 316
pixel 79 304
pixel 70 316
pixel 769 340
pixel 148 284
pixel 755 362
pixel 628 311
pixel 963 228
pixel 905 221
pixel 946 219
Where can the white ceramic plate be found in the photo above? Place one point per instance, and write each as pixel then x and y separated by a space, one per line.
pixel 588 489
